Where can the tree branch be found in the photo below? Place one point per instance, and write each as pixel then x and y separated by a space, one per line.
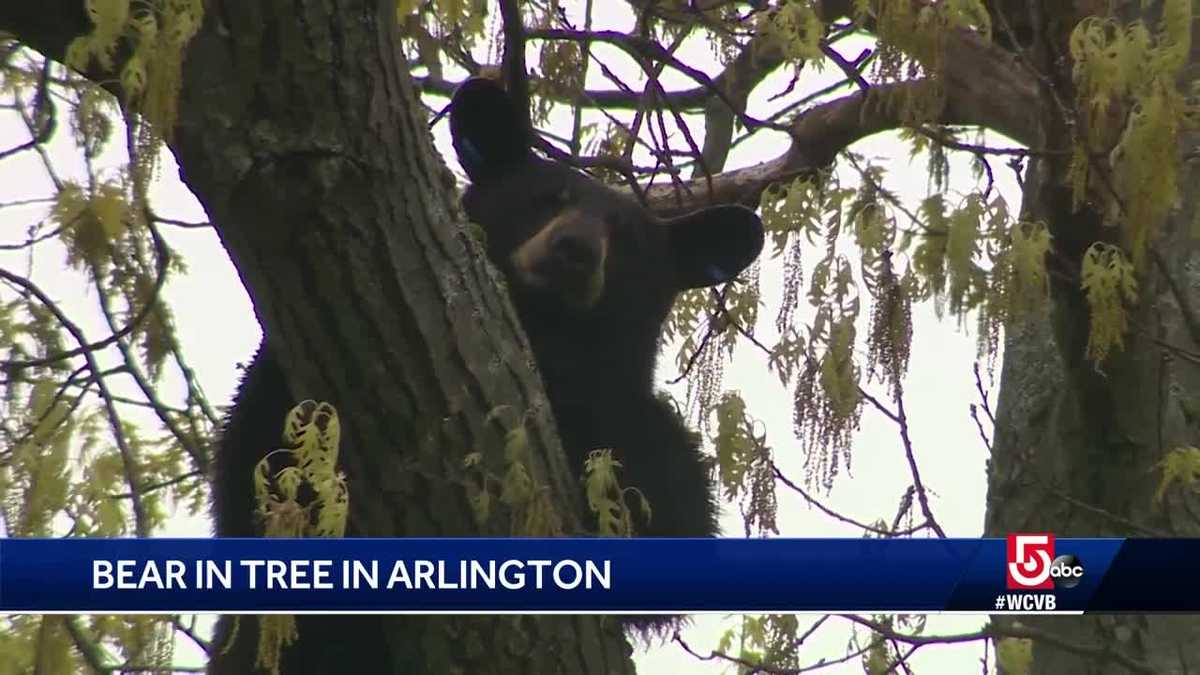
pixel 983 86
pixel 514 73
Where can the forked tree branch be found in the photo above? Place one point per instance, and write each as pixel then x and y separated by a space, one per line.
pixel 982 87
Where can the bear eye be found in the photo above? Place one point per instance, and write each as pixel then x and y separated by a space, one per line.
pixel 558 198
pixel 619 227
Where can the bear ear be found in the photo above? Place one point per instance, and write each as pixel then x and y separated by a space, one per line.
pixel 714 245
pixel 489 131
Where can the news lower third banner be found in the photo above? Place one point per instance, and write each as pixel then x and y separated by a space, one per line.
pixel 1023 573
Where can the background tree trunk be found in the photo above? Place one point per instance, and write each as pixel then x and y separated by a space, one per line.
pixel 1076 446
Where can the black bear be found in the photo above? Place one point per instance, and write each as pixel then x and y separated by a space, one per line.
pixel 592 275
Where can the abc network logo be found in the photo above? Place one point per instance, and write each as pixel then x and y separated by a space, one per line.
pixel 1032 564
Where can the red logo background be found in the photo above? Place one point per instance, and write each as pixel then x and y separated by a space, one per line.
pixel 1041 554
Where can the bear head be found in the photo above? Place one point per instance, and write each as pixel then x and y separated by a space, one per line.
pixel 577 253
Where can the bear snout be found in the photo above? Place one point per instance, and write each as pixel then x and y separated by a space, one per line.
pixel 572 261
pixel 575 254
pixel 566 258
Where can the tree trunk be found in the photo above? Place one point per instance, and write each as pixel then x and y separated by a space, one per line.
pixel 301 134
pixel 1076 445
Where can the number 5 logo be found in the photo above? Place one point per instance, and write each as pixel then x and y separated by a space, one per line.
pixel 1029 558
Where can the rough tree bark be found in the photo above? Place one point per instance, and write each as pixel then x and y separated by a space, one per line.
pixel 1076 446
pixel 301 134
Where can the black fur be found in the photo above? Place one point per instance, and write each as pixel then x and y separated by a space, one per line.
pixel 592 275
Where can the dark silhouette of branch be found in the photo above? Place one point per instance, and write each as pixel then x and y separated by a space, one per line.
pixel 749 666
pixel 515 75
pixel 910 455
pixel 813 501
pixel 128 459
pixel 994 631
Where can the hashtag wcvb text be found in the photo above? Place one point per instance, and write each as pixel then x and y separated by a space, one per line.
pixel 1031 603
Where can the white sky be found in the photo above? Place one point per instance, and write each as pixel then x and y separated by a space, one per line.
pixel 217 329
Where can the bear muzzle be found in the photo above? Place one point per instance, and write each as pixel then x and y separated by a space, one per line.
pixel 566 258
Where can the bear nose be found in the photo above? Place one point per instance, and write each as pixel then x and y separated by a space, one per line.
pixel 575 252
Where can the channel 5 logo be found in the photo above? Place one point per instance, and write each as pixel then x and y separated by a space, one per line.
pixel 1032 564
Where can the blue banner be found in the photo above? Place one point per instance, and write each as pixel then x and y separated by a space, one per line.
pixel 1028 572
